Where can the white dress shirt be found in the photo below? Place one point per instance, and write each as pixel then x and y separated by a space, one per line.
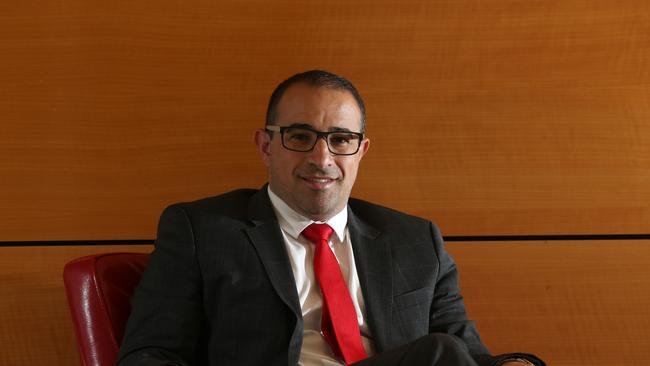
pixel 315 350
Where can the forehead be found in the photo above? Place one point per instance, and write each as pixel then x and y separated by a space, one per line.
pixel 318 106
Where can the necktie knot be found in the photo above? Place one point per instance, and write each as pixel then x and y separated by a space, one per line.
pixel 316 233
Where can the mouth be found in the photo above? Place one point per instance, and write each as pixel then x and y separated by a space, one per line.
pixel 318 183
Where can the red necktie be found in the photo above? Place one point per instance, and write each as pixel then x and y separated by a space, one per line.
pixel 339 320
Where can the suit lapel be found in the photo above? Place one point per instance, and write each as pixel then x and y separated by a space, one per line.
pixel 267 239
pixel 373 259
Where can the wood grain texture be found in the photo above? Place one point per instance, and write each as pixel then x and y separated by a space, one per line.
pixel 491 117
pixel 35 324
pixel 572 303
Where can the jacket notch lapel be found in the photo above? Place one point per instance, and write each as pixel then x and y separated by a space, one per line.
pixel 373 258
pixel 267 239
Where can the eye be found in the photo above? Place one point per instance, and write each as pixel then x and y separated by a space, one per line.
pixel 341 139
pixel 299 136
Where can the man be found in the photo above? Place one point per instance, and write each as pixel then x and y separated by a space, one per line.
pixel 299 273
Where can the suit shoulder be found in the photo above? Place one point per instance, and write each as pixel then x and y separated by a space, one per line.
pixel 233 203
pixel 381 216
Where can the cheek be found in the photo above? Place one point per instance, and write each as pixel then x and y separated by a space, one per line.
pixel 349 171
pixel 282 167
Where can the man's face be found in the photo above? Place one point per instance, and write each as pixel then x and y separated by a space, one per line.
pixel 316 183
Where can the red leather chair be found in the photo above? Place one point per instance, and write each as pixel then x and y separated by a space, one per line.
pixel 99 288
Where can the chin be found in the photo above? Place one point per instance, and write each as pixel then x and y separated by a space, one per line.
pixel 318 212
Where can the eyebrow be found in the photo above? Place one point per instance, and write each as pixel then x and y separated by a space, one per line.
pixel 310 127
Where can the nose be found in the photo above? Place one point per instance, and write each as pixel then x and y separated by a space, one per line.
pixel 320 155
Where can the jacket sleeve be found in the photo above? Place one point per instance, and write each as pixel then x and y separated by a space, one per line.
pixel 448 315
pixel 166 321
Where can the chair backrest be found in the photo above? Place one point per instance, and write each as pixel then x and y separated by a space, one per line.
pixel 99 288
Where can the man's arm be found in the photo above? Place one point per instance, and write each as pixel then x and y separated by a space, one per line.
pixel 448 315
pixel 166 320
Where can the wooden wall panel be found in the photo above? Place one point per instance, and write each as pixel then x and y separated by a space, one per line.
pixel 35 325
pixel 572 303
pixel 491 117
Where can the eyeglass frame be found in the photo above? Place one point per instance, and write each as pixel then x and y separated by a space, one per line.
pixel 319 134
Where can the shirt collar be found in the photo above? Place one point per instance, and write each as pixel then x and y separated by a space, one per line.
pixel 294 223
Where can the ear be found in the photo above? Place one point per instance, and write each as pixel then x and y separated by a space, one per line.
pixel 363 149
pixel 263 142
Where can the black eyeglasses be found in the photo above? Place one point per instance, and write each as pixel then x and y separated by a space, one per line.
pixel 304 139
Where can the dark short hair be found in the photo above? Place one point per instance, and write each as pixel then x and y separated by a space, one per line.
pixel 318 78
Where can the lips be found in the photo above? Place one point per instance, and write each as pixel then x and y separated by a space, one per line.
pixel 318 183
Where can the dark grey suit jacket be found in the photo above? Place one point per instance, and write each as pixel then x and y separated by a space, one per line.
pixel 219 289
